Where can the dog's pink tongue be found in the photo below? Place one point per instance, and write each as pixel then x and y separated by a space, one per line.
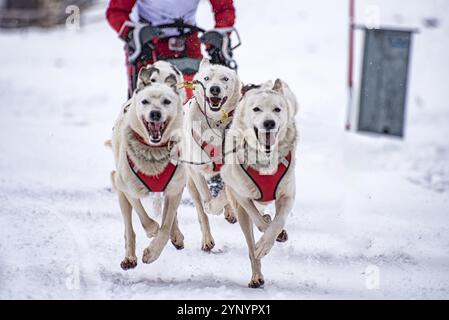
pixel 155 126
pixel 215 101
pixel 267 138
pixel 155 129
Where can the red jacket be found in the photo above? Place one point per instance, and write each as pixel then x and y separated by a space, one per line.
pixel 118 12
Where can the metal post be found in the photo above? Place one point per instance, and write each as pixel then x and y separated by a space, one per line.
pixel 350 61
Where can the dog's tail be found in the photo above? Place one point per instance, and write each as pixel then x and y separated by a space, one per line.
pixel 108 143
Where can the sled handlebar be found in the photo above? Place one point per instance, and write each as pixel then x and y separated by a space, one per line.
pixel 146 35
pixel 181 26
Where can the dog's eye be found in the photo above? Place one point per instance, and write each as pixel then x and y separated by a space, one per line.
pixel 166 102
pixel 153 80
pixel 277 109
pixel 206 78
pixel 256 109
pixel 145 101
pixel 225 79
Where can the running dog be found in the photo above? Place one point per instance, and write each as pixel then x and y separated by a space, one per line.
pixel 145 147
pixel 259 166
pixel 161 72
pixel 208 114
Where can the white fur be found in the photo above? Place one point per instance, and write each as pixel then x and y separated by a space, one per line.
pixel 150 160
pixel 208 123
pixel 164 71
pixel 240 189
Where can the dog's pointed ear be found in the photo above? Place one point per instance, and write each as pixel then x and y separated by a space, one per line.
pixel 278 86
pixel 204 63
pixel 171 80
pixel 145 74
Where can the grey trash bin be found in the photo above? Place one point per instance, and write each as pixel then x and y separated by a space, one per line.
pixel 384 81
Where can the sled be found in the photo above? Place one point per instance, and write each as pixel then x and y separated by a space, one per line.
pixel 220 52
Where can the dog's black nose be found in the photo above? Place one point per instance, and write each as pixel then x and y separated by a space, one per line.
pixel 269 124
pixel 155 115
pixel 215 90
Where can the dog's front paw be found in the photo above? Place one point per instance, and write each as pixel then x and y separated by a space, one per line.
pixel 128 263
pixel 267 218
pixel 231 219
pixel 177 239
pixel 150 254
pixel 256 281
pixel 282 237
pixel 207 244
pixel 152 230
pixel 229 215
pixel 254 192
pixel 213 207
pixel 263 246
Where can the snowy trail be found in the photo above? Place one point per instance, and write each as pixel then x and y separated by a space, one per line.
pixel 362 202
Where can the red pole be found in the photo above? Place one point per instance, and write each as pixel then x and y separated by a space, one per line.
pixel 350 60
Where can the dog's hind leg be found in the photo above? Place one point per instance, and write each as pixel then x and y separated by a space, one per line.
pixel 207 242
pixel 153 251
pixel 150 226
pixel 246 224
pixel 130 260
pixel 176 236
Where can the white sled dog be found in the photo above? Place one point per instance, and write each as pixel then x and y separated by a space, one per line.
pixel 145 148
pixel 161 72
pixel 208 114
pixel 259 166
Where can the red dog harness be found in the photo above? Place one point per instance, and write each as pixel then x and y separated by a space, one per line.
pixel 156 183
pixel 268 183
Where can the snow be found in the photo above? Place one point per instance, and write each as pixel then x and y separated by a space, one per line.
pixel 368 208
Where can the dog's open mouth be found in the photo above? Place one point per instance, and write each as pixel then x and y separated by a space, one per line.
pixel 266 138
pixel 215 103
pixel 155 129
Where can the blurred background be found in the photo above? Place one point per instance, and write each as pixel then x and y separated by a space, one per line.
pixel 371 215
pixel 41 13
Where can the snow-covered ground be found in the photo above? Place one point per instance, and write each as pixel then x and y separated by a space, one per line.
pixel 367 208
